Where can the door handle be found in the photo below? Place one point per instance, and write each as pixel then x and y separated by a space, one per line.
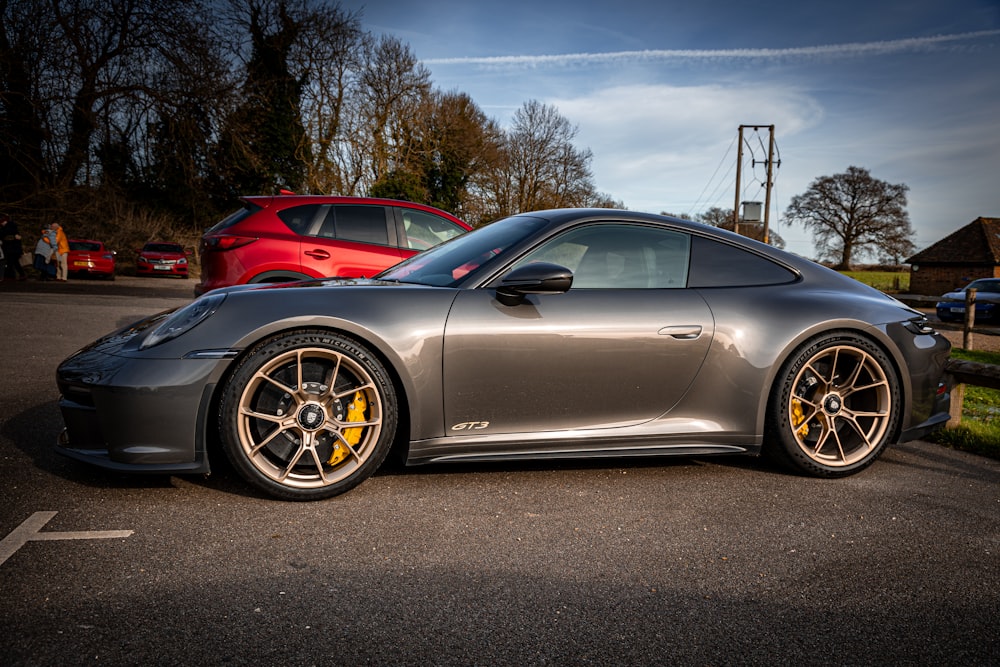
pixel 318 254
pixel 681 331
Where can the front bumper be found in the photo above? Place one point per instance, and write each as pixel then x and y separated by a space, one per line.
pixel 940 414
pixel 143 269
pixel 136 414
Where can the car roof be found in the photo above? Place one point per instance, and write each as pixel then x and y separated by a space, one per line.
pixel 803 265
pixel 264 201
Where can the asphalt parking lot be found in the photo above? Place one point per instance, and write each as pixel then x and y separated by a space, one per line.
pixel 650 562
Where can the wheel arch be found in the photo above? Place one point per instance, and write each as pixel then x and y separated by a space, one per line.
pixel 278 276
pixel 381 350
pixel 873 334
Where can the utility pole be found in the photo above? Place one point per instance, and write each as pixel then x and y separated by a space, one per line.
pixel 739 170
pixel 770 179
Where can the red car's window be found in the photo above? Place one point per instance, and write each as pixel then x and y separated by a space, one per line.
pixel 426 230
pixel 234 218
pixel 299 218
pixel 364 224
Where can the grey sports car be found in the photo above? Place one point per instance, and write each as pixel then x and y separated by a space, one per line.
pixel 565 333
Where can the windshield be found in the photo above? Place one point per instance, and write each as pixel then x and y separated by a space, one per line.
pixel 451 262
pixel 162 247
pixel 985 285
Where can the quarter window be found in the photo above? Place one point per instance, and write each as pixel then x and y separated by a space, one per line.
pixel 299 218
pixel 715 264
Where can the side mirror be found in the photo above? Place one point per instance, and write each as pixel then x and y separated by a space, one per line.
pixel 534 278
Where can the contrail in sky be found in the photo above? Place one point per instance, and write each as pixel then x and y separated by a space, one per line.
pixel 835 50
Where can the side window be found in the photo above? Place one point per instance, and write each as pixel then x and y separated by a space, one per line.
pixel 618 256
pixel 715 264
pixel 299 218
pixel 426 230
pixel 364 224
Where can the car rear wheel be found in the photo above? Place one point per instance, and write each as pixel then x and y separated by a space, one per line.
pixel 308 415
pixel 835 408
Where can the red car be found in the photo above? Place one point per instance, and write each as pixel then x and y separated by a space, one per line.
pixel 294 237
pixel 90 258
pixel 162 259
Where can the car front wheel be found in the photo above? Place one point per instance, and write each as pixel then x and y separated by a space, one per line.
pixel 308 415
pixel 835 408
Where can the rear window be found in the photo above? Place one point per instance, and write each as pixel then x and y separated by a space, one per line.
pixel 234 217
pixel 84 245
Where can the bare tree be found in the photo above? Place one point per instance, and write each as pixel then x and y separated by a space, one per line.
pixel 723 219
pixel 90 88
pixel 853 214
pixel 24 62
pixel 540 167
pixel 456 142
pixel 391 88
pixel 177 105
pixel 327 58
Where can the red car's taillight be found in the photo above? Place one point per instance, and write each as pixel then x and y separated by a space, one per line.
pixel 225 242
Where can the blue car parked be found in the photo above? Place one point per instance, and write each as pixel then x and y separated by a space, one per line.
pixel 951 307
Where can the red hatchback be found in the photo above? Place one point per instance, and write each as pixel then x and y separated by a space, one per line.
pixel 295 237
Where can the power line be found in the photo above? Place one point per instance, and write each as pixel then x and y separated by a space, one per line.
pixel 725 159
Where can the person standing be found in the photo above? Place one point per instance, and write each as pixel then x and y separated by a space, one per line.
pixel 45 254
pixel 12 248
pixel 62 252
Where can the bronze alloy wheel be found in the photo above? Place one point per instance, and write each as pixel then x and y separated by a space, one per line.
pixel 308 416
pixel 838 406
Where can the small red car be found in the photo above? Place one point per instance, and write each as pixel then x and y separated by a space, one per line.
pixel 162 259
pixel 92 258
pixel 284 238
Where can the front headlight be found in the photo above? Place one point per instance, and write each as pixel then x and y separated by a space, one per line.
pixel 919 326
pixel 184 319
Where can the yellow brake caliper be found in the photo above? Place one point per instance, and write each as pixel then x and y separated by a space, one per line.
pixel 799 418
pixel 355 413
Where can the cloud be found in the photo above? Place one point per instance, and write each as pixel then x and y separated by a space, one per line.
pixel 657 146
pixel 909 45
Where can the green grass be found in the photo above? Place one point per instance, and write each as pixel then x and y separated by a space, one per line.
pixel 979 431
pixel 891 282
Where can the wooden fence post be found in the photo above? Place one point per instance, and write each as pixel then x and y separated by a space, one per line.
pixel 957 402
pixel 970 318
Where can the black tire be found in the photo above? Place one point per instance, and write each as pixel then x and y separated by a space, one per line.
pixel 308 415
pixel 835 406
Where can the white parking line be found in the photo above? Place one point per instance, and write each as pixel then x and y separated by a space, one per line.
pixel 28 532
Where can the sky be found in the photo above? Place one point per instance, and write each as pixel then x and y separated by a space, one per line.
pixel 658 89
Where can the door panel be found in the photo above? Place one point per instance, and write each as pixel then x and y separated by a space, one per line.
pixel 351 241
pixel 589 358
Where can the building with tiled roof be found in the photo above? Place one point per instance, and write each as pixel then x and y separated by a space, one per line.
pixel 959 258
